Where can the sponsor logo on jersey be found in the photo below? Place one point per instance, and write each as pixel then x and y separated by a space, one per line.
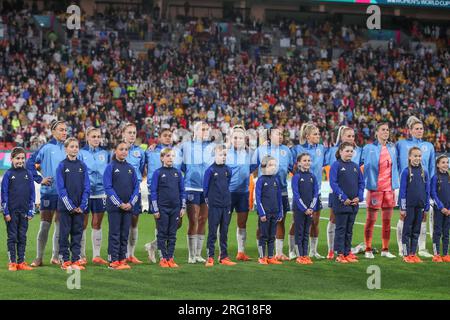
pixel 117 170
pixel 67 170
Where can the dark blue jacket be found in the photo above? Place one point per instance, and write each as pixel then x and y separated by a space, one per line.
pixel 414 193
pixel 121 184
pixel 440 190
pixel 18 194
pixel 305 191
pixel 216 186
pixel 167 189
pixel 347 182
pixel 268 196
pixel 72 181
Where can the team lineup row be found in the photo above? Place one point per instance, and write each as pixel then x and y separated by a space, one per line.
pixel 75 181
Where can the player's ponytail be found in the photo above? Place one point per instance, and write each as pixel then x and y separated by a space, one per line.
pixel 305 130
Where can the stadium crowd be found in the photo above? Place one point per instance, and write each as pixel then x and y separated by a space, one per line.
pixel 203 75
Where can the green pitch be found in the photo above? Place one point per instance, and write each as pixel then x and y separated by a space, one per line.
pixel 246 280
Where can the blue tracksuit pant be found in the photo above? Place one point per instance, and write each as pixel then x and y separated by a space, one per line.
pixel 267 235
pixel 411 230
pixel 344 232
pixel 302 223
pixel 167 226
pixel 440 229
pixel 218 218
pixel 17 237
pixel 70 225
pixel 119 229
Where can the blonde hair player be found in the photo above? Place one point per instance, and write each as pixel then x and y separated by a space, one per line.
pixel 96 160
pixel 310 143
pixel 345 134
pixel 416 131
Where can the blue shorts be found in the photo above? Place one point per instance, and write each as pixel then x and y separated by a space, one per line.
pixel 97 205
pixel 239 201
pixel 137 208
pixel 330 205
pixel 49 202
pixel 195 197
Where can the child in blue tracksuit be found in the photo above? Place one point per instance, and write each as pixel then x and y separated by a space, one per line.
pixel 440 193
pixel 168 204
pixel 72 181
pixel 216 189
pixel 414 200
pixel 18 197
pixel 270 209
pixel 305 199
pixel 347 183
pixel 122 191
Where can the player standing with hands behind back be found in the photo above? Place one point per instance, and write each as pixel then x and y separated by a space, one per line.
pixel 270 209
pixel 168 204
pixel 347 183
pixel 414 201
pixel 72 180
pixel 122 190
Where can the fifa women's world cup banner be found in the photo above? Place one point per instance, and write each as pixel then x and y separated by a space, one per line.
pixel 416 3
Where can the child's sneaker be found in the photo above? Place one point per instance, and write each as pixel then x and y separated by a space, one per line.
pixel 77 265
pixel 352 256
pixel 227 262
pixel 263 260
pixel 341 259
pixel 437 258
pixel 446 258
pixel 172 263
pixel 117 265
pixel 24 266
pixel 409 259
pixel 308 259
pixel 66 265
pixel 417 259
pixel 210 262
pixel 12 266
pixel 301 260
pixel 274 261
pixel 163 263
pixel 350 259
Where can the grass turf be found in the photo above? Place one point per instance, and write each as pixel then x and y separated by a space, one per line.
pixel 247 280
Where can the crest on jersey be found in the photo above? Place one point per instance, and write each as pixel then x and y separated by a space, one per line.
pixel 26 177
pixel 136 153
pixel 80 170
pixel 190 197
pixel 274 184
pixel 283 153
pixel 46 203
pixel 311 179
pixel 354 169
pixel 129 171
pixel 102 158
pixel 424 148
pixel 374 202
pixel 318 152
